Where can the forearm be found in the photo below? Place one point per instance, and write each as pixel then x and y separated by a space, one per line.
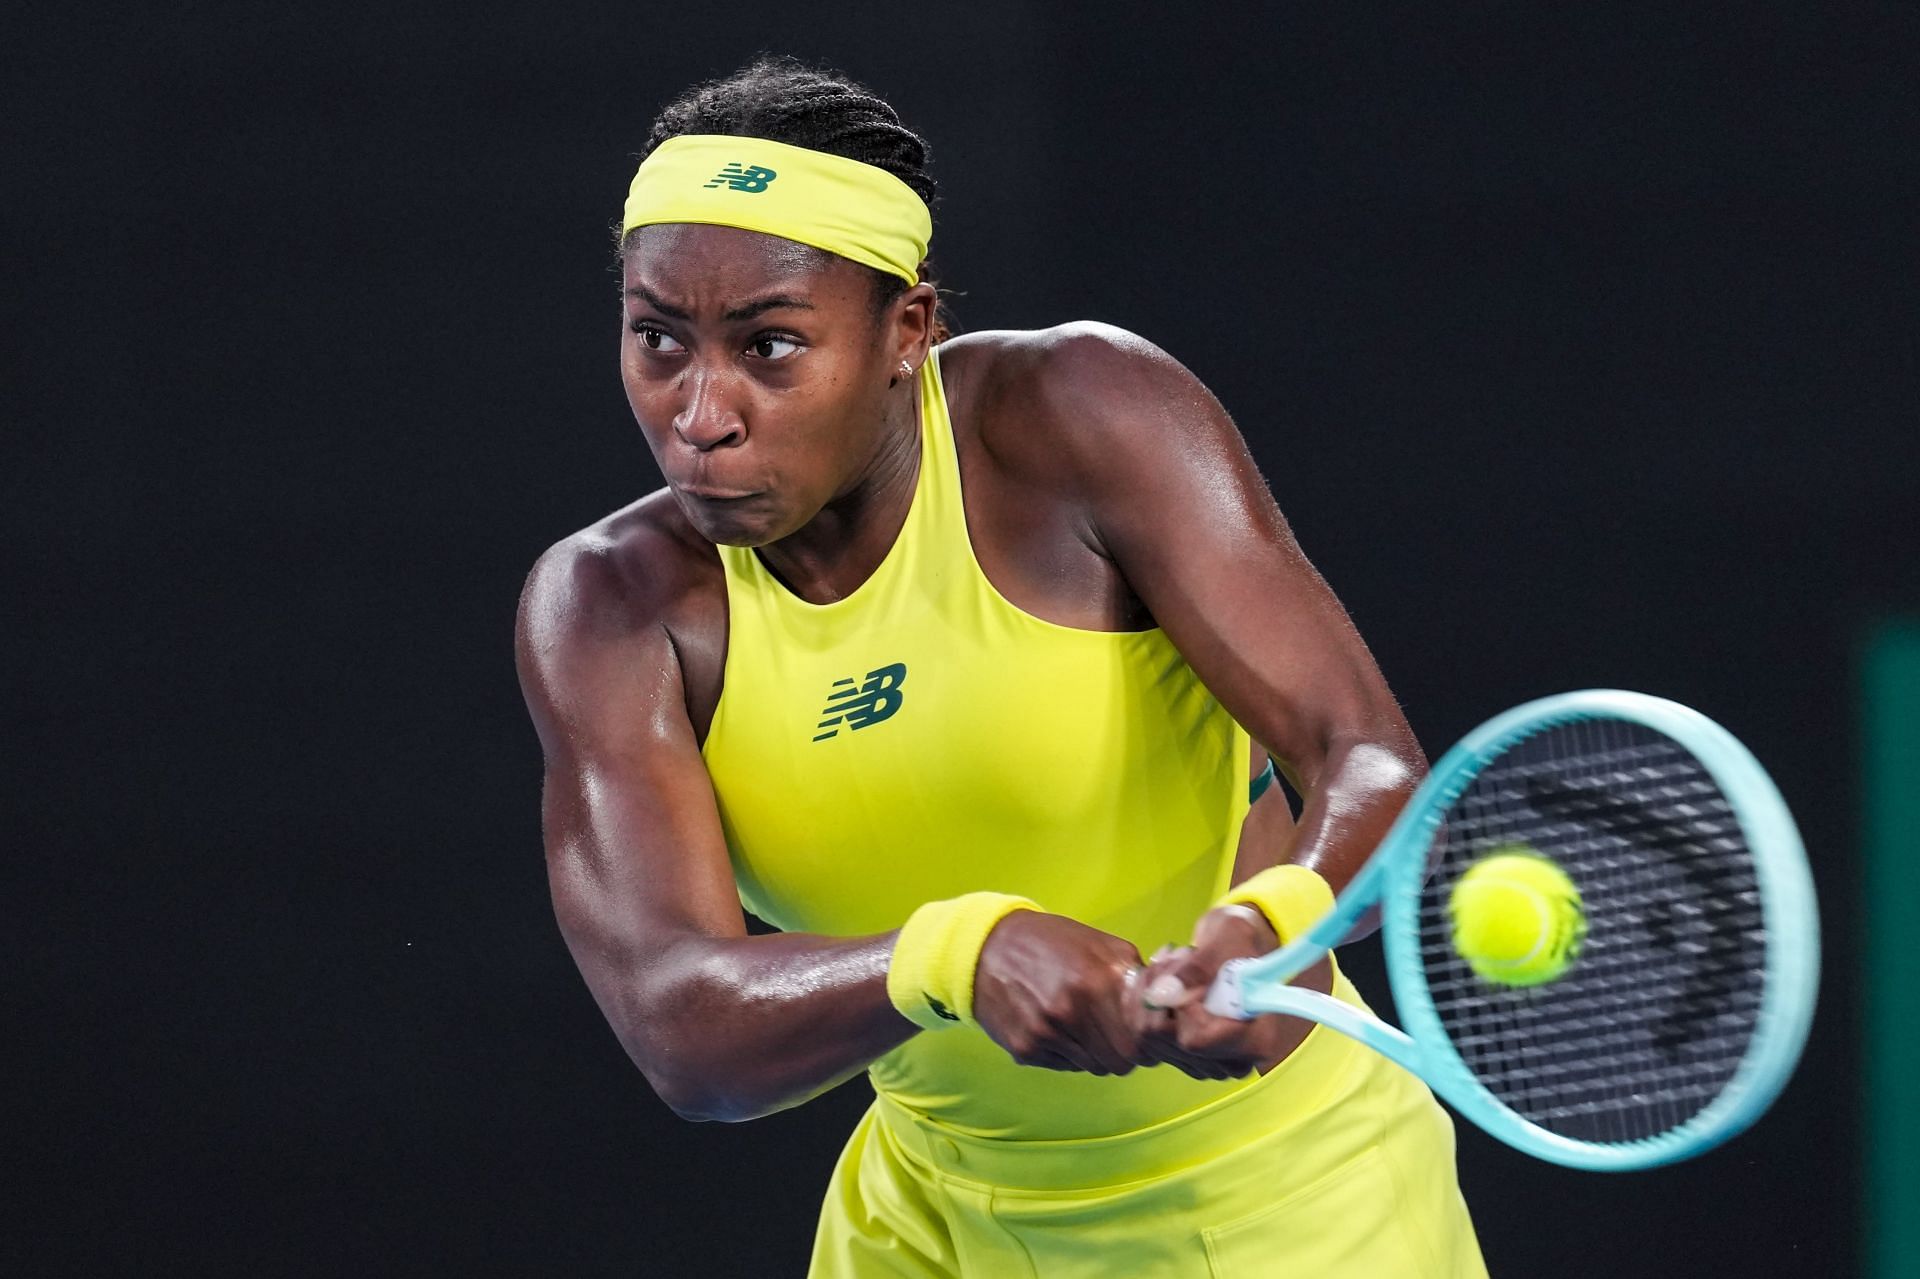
pixel 735 1028
pixel 1351 803
pixel 1354 790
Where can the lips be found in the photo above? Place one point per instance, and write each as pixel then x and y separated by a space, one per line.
pixel 703 487
pixel 706 494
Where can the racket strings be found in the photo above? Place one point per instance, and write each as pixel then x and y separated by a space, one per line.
pixel 1654 1016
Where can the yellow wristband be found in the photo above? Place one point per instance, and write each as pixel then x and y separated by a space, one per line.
pixel 930 978
pixel 1292 898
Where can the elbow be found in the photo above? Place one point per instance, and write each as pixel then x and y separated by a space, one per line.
pixel 1376 764
pixel 669 1035
pixel 690 1047
pixel 694 1088
pixel 691 1104
pixel 696 1083
pixel 698 1105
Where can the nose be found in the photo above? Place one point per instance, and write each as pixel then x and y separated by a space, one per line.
pixel 708 420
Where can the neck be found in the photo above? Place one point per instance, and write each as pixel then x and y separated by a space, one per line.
pixel 842 546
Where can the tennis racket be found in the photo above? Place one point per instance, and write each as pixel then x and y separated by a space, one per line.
pixel 1689 1001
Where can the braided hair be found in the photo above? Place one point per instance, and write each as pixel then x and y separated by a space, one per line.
pixel 782 99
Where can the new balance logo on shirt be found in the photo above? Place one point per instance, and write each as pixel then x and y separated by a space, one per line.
pixel 863 704
pixel 750 178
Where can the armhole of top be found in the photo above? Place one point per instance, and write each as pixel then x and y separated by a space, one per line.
pixel 726 658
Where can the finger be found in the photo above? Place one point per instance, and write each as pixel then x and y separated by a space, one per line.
pixel 1155 1011
pixel 1038 1049
pixel 1168 991
pixel 1259 1040
pixel 1226 932
pixel 1148 1024
pixel 1049 1061
pixel 1240 1047
pixel 1102 1055
pixel 1075 1034
pixel 1082 1021
pixel 1076 1052
pixel 1110 1029
pixel 1057 1052
pixel 1037 1040
pixel 1101 1023
pixel 1159 1044
pixel 1163 989
pixel 1196 1067
pixel 1117 1023
pixel 1199 1031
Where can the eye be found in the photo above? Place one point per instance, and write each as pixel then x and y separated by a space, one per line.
pixel 655 338
pixel 770 346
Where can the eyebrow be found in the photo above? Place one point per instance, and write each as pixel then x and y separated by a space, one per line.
pixel 745 311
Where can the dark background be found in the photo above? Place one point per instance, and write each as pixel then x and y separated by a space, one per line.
pixel 1577 341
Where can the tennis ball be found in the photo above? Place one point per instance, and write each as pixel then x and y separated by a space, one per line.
pixel 1517 918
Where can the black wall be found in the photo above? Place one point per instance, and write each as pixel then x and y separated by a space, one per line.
pixel 1577 341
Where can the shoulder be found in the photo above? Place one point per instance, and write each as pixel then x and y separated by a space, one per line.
pixel 640 571
pixel 1077 401
pixel 1079 363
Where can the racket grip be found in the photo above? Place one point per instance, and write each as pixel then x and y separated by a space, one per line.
pixel 1225 998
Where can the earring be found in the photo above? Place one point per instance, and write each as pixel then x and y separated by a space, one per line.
pixel 906 370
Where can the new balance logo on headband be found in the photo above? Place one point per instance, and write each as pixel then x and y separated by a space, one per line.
pixel 750 178
pixel 858 705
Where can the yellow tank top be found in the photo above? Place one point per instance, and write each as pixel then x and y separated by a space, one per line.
pixel 924 738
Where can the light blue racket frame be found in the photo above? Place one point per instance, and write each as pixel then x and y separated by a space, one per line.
pixel 1394 878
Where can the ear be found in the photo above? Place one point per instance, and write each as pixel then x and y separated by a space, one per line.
pixel 911 319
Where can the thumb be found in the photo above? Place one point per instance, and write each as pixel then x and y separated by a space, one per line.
pixel 1176 981
pixel 1191 971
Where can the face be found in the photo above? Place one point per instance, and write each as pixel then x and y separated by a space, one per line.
pixel 759 373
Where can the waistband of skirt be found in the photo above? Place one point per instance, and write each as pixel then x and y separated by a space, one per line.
pixel 1285 1097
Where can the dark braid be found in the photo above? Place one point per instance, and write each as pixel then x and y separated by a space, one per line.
pixel 782 99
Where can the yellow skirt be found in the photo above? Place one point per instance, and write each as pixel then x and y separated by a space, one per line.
pixel 1336 1163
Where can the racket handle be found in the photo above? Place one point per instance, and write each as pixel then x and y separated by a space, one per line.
pixel 1226 998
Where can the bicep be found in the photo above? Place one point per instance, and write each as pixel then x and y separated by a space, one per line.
pixel 636 860
pixel 635 855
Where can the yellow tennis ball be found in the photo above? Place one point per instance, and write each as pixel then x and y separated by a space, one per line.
pixel 1517 918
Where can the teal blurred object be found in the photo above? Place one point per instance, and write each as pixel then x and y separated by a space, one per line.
pixel 1890 711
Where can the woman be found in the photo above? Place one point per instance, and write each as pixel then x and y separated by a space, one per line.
pixel 948 657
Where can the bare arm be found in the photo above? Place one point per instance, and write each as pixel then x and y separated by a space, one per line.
pixel 723 1025
pixel 1173 496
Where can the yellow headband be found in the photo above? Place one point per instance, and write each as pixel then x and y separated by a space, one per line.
pixel 833 203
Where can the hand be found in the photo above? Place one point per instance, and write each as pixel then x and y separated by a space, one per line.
pixel 1175 986
pixel 1156 1027
pixel 1055 993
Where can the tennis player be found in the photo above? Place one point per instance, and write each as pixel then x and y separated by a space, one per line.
pixel 949 658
